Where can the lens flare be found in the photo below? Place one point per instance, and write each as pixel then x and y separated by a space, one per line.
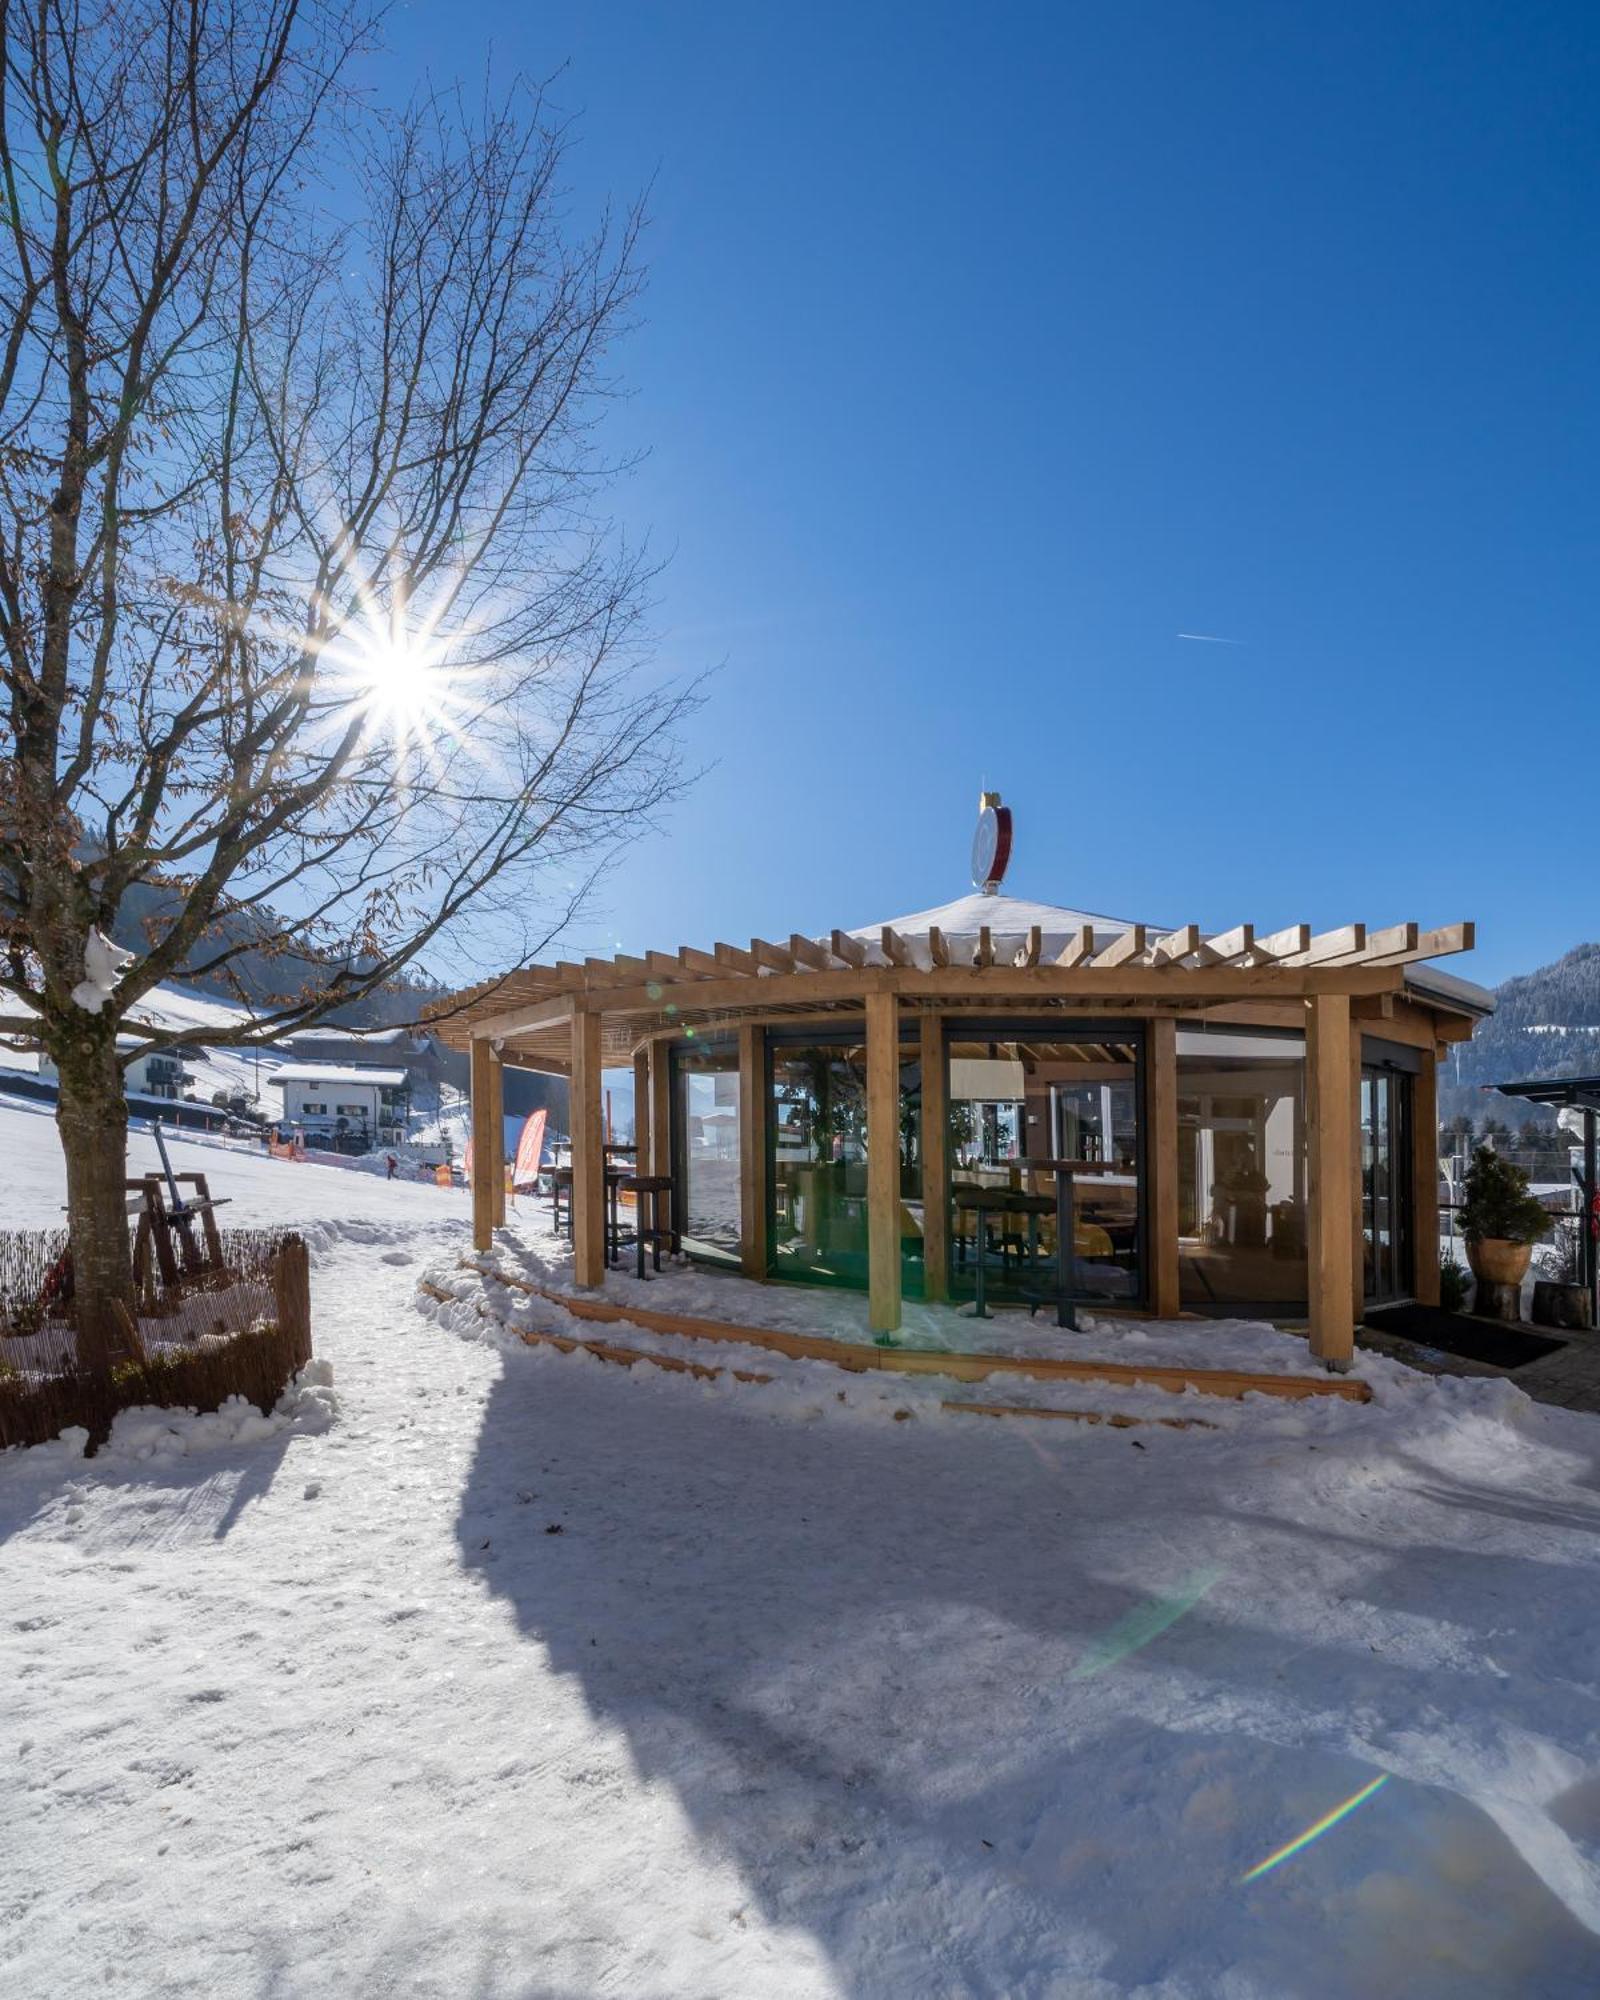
pixel 1140 1626
pixel 1311 1833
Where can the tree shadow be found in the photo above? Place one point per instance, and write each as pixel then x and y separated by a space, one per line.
pixel 203 1497
pixel 856 1651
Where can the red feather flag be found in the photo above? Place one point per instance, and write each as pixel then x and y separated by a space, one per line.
pixel 530 1148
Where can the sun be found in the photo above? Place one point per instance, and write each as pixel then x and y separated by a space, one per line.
pixel 401 677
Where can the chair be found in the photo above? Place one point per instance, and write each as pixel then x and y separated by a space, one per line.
pixel 651 1188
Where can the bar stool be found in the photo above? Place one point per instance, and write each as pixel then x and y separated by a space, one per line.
pixel 651 1188
pixel 561 1184
pixel 980 1202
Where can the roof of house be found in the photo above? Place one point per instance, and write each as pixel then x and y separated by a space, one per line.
pixel 332 1073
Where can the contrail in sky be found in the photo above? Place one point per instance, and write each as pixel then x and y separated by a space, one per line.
pixel 1210 639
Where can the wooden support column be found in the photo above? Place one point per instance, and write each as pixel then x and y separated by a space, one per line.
pixel 661 1122
pixel 482 1086
pixel 588 1155
pixel 1425 1180
pixel 935 1160
pixel 752 1150
pixel 883 1162
pixel 1358 1237
pixel 1162 1168
pixel 1331 1081
pixel 497 1129
pixel 643 1159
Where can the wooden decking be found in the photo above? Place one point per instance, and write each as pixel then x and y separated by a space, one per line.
pixel 860 1358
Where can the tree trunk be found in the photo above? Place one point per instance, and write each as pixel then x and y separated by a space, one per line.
pixel 92 1116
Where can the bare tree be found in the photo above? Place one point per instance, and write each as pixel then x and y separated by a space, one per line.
pixel 309 622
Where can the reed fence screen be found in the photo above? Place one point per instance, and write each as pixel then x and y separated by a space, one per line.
pixel 241 1329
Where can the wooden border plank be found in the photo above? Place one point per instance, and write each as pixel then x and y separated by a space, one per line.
pixel 857 1358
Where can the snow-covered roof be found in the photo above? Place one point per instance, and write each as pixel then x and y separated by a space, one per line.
pixel 332 1073
pixel 378 1036
pixel 967 915
pixel 1451 986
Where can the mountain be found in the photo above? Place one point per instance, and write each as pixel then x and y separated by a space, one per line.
pixel 1546 1023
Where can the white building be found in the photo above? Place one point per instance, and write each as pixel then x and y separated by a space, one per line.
pixel 162 1074
pixel 357 1108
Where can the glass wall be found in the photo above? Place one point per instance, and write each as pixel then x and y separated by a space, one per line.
pixel 706 1100
pixel 1019 1103
pixel 1241 1168
pixel 818 1138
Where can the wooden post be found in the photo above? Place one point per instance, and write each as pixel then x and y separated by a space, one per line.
pixel 1330 1135
pixel 497 1129
pixel 752 1150
pixel 661 1123
pixel 588 1155
pixel 643 1157
pixel 935 1160
pixel 482 1083
pixel 883 1162
pixel 1161 1168
pixel 1425 1181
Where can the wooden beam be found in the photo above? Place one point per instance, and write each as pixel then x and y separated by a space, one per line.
pixel 1330 947
pixel 1161 1166
pixel 588 1155
pixel 1077 949
pixel 497 1134
pixel 661 1119
pixel 1027 953
pixel 935 1159
pixel 1123 984
pixel 551 1013
pixel 729 958
pixel 809 953
pixel 883 1162
pixel 1129 945
pixel 984 954
pixel 1179 944
pixel 644 1159
pixel 1441 943
pixel 1425 1182
pixel 481 1081
pixel 1227 947
pixel 894 947
pixel 1285 943
pixel 849 948
pixel 752 1151
pixel 772 957
pixel 938 948
pixel 1330 1148
pixel 691 959
pixel 1399 941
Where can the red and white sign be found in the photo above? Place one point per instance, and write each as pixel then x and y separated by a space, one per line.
pixel 530 1149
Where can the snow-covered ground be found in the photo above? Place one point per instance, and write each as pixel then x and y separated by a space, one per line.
pixel 490 1671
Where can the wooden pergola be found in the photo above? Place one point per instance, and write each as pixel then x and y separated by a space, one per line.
pixel 578 1019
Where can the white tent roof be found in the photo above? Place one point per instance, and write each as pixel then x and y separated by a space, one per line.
pixel 1009 919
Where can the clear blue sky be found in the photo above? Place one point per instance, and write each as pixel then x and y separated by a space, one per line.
pixel 989 348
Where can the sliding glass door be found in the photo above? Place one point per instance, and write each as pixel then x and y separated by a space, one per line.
pixel 1386 1183
pixel 705 1082
pixel 817 1136
pixel 1023 1097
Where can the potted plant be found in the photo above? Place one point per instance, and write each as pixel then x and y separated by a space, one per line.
pixel 1500 1219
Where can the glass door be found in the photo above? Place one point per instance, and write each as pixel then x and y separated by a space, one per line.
pixel 1386 1184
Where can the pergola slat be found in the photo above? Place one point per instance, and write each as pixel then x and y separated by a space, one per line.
pixel 1121 950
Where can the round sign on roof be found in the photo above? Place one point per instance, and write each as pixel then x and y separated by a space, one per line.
pixel 991 844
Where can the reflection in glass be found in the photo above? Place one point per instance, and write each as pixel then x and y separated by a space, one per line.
pixel 708 1136
pixel 1385 1145
pixel 1016 1107
pixel 1241 1167
pixel 819 1163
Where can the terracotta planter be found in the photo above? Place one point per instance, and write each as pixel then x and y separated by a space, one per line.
pixel 1499 1260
